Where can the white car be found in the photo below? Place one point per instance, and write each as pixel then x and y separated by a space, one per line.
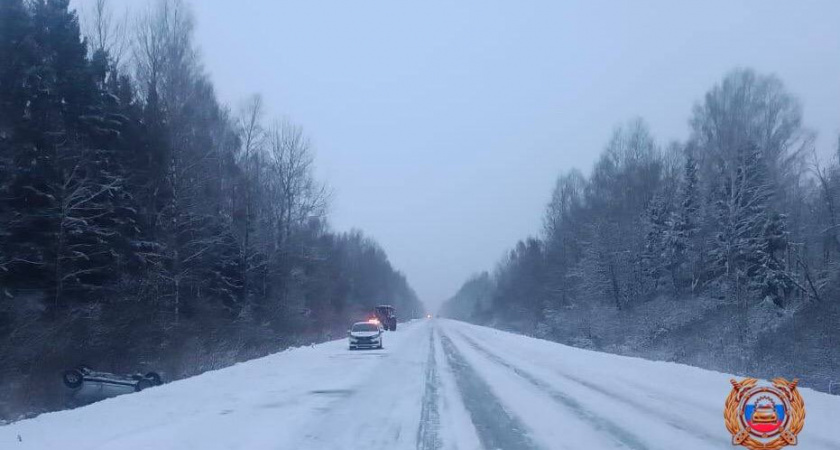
pixel 365 335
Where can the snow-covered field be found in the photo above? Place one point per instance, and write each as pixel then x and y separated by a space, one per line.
pixel 437 384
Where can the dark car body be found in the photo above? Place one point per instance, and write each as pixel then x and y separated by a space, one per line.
pixel 387 316
pixel 84 376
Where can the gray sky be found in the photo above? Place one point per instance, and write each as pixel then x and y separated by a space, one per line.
pixel 441 125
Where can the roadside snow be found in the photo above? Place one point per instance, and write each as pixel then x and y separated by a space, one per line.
pixel 438 384
pixel 664 405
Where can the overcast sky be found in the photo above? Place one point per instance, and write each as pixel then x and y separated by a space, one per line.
pixel 442 125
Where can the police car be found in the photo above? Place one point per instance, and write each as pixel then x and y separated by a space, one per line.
pixel 365 335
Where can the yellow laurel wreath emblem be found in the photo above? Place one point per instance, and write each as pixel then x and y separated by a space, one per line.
pixel 742 436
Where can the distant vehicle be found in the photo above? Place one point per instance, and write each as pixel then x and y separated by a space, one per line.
pixel 365 335
pixel 387 316
pixel 83 375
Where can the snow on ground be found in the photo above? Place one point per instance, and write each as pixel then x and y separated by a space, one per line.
pixel 438 384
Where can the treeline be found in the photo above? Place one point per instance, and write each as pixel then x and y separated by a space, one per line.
pixel 143 225
pixel 721 251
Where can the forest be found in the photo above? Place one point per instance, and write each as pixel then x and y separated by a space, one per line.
pixel 144 225
pixel 722 251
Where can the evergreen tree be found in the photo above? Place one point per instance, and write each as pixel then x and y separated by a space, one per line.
pixel 120 217
pixel 741 210
pixel 654 258
pixel 771 276
pixel 681 250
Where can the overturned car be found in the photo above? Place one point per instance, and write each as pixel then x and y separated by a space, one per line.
pixel 83 377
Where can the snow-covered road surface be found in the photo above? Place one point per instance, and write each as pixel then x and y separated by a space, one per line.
pixel 438 384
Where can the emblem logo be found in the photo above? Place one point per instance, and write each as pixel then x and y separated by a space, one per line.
pixel 764 417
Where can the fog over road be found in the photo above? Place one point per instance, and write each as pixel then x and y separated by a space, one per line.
pixel 438 384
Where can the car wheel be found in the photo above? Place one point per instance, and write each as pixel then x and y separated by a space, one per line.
pixel 155 378
pixel 143 384
pixel 72 378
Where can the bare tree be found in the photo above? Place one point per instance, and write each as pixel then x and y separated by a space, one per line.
pixel 294 197
pixel 291 164
pixel 164 57
pixel 104 32
pixel 561 228
pixel 177 91
pixel 829 200
pixel 81 201
pixel 253 137
pixel 747 109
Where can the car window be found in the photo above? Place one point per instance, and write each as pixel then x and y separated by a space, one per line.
pixel 365 327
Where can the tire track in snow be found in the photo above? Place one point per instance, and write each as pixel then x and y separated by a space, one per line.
pixel 428 433
pixel 621 435
pixel 496 428
pixel 711 439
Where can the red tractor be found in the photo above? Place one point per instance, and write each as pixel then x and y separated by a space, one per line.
pixel 387 316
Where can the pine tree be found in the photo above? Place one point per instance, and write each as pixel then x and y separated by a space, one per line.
pixel 681 253
pixel 741 211
pixel 771 275
pixel 655 263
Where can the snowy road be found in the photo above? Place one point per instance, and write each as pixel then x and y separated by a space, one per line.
pixel 438 384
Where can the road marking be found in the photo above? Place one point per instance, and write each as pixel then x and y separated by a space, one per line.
pixel 428 436
pixel 621 435
pixel 496 428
